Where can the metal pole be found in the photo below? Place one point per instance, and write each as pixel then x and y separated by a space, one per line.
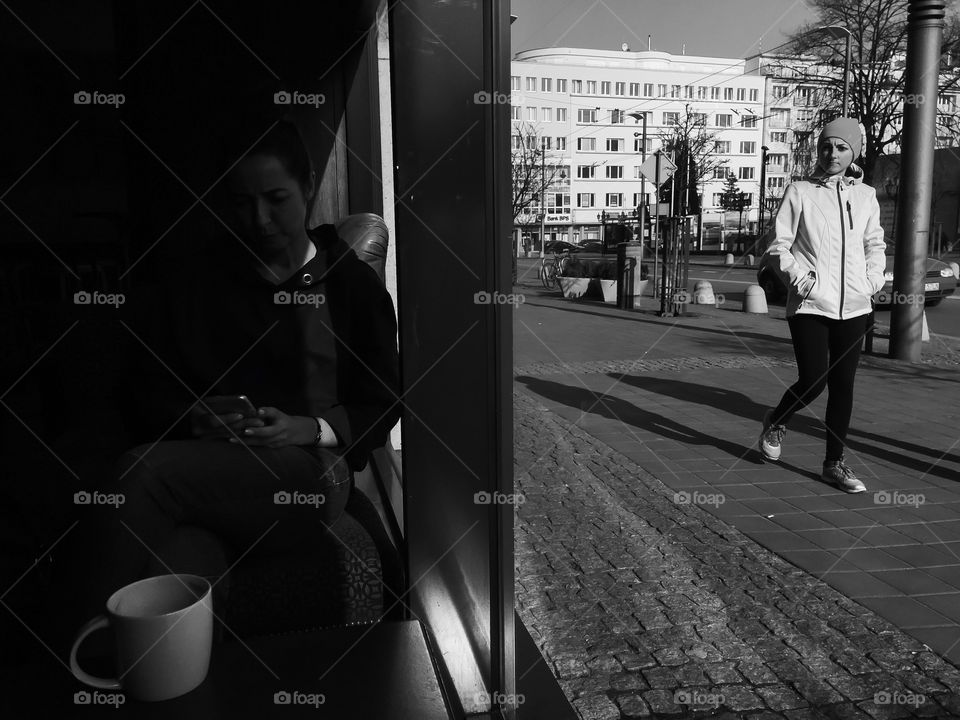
pixel 643 183
pixel 543 196
pixel 656 222
pixel 846 78
pixel 924 36
pixel 763 188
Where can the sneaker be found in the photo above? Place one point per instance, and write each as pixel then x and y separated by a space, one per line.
pixel 837 472
pixel 771 438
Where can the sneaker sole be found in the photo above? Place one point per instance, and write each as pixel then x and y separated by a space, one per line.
pixel 763 454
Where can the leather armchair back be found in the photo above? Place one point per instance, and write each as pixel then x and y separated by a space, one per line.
pixel 367 234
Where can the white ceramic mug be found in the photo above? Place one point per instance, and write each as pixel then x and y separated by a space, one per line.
pixel 163 627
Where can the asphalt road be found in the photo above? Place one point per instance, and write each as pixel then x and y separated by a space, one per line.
pixel 732 281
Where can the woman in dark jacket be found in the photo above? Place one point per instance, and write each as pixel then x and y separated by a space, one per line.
pixel 289 317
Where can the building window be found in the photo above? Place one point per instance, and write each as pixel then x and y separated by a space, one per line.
pixel 620 88
pixel 514 82
pixel 778 137
pixel 561 142
pixel 614 144
pixel 532 114
pixel 516 112
pixel 661 90
pixel 698 119
pixel 747 200
pixel 749 121
pixel 561 114
pixel 674 91
pixel 546 143
pixel 638 145
pixel 721 147
pixel 805 116
pixel 545 84
pixel 584 200
pixel 605 87
pixel 634 89
pixel 636 173
pixel 714 93
pixel 561 85
pixel 517 142
pixel 741 94
pixel 688 92
pixel 721 172
pixel 648 89
pixel 614 199
pixel 531 142
pixel 780 118
pixel 724 120
pixel 614 172
pixel 587 144
pixel 591 87
pixel 775 183
pixel 639 199
pixel 546 114
pixel 754 95
pixel 717 199
pixel 616 117
pixel 531 84
pixel 777 161
pixel 728 93
pixel 671 118
pixel 748 147
pixel 746 173
pixel 576 87
pixel 780 91
pixel 701 92
pixel 586 172
pixel 586 116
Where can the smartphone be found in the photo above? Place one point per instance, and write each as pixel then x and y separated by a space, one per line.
pixel 230 404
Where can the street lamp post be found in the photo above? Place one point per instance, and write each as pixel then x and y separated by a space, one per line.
pixel 763 184
pixel 543 196
pixel 838 31
pixel 643 178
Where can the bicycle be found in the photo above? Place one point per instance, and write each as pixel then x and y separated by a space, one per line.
pixel 551 268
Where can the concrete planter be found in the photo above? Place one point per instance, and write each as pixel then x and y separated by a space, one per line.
pixel 574 287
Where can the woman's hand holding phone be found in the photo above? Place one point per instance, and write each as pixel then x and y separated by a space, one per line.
pixel 278 429
pixel 223 416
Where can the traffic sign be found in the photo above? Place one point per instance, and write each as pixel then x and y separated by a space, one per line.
pixel 649 169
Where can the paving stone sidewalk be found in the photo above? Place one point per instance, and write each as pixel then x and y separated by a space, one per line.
pixel 648 608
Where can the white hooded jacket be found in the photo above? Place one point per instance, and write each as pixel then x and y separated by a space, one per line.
pixel 829 248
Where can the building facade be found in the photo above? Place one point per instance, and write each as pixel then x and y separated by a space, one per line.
pixel 586 109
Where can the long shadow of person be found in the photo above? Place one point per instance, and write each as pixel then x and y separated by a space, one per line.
pixel 736 403
pixel 614 408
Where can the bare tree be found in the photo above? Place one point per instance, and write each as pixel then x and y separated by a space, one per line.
pixel 878 51
pixel 694 149
pixel 536 170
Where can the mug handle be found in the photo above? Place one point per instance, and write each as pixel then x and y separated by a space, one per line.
pixel 101 621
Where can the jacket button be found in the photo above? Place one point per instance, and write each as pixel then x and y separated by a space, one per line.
pixel 307 278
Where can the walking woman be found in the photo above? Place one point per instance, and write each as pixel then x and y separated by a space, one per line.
pixel 829 251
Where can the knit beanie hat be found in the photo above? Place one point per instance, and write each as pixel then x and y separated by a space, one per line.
pixel 847 129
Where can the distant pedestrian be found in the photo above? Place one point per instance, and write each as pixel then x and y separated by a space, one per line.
pixel 829 251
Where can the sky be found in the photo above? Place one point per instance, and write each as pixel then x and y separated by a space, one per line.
pixel 723 28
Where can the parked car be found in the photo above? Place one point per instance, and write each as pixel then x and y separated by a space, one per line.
pixel 939 282
pixel 559 246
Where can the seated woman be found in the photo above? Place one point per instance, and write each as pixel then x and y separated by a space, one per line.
pixel 294 320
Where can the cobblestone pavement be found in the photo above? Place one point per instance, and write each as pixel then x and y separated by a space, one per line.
pixel 646 608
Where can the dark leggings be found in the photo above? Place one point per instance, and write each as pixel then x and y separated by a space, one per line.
pixel 827 354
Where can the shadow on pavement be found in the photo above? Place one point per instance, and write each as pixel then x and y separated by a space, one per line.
pixel 736 403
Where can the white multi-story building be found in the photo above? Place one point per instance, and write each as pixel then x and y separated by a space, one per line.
pixel 585 107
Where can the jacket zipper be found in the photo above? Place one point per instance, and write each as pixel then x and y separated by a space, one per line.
pixel 843 248
pixel 850 214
